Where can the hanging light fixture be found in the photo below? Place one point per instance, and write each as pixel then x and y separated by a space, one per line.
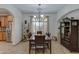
pixel 39 9
pixel 39 12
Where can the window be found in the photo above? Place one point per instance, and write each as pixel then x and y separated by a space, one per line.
pixel 39 24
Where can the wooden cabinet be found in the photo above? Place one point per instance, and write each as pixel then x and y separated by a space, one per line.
pixel 74 35
pixel 70 36
pixel 4 23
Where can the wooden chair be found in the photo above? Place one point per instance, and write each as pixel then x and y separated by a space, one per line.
pixel 39 32
pixel 39 43
pixel 31 45
pixel 29 35
pixel 47 43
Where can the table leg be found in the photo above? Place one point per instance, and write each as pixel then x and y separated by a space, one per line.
pixel 50 46
pixel 29 47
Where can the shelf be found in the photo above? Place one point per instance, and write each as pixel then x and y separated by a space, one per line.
pixel 66 22
pixel 65 34
pixel 70 40
pixel 67 26
pixel 66 44
pixel 66 31
pixel 66 39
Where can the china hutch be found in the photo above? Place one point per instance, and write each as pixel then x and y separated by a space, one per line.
pixel 69 33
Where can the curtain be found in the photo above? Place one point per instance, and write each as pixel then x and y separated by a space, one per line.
pixel 39 24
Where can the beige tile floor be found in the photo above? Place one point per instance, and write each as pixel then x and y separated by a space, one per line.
pixel 8 48
pixel 23 48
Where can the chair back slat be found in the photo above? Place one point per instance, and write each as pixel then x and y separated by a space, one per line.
pixel 39 39
pixel 39 32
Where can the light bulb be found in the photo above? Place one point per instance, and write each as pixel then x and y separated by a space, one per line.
pixel 42 15
pixel 34 16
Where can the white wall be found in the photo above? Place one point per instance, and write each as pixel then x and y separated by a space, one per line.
pixel 52 22
pixel 67 9
pixel 16 26
pixel 74 14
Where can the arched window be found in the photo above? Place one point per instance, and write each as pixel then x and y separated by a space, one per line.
pixel 39 24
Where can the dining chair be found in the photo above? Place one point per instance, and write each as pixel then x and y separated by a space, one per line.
pixel 48 35
pixel 39 43
pixel 39 32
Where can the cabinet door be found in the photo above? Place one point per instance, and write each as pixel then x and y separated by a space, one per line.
pixel 0 36
pixel 74 35
pixel 78 35
pixel 4 36
pixel 2 21
pixel 5 21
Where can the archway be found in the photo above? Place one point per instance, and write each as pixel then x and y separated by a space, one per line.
pixel 67 14
pixel 16 27
pixel 6 19
pixel 67 9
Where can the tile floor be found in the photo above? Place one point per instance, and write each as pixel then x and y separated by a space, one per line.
pixel 23 48
pixel 8 48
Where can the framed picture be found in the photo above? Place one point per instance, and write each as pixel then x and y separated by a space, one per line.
pixel 25 21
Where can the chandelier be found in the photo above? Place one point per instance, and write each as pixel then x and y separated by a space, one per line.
pixel 39 9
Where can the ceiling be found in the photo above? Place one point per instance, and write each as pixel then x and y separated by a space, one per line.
pixel 44 8
pixel 33 8
pixel 4 12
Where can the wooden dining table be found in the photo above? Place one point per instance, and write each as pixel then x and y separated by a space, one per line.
pixel 47 39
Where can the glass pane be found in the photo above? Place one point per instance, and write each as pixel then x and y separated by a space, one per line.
pixel 37 23
pixel 41 26
pixel 45 27
pixel 45 19
pixel 33 19
pixel 41 19
pixel 37 26
pixel 37 19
